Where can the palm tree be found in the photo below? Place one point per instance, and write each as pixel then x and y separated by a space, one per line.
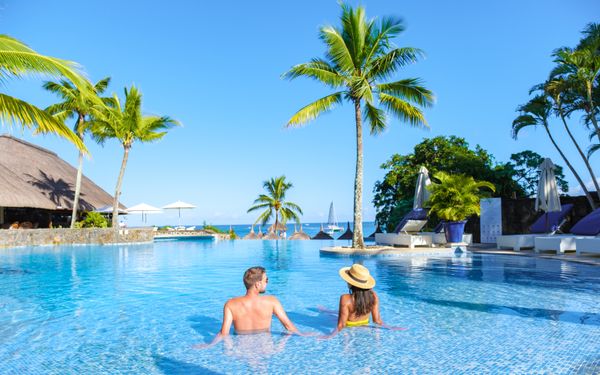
pixel 274 203
pixel 18 60
pixel 127 124
pixel 536 113
pixel 78 105
pixel 581 66
pixel 359 55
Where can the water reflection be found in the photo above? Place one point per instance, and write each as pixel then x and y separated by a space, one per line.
pixel 256 349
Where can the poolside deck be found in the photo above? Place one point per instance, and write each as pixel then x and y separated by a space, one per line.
pixel 474 248
pixel 568 256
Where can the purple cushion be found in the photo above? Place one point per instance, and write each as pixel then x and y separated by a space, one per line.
pixel 589 225
pixel 554 220
pixel 415 214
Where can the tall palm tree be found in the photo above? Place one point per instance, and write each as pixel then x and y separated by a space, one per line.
pixel 359 55
pixel 127 124
pixel 18 60
pixel 557 89
pixel 536 113
pixel 275 204
pixel 75 104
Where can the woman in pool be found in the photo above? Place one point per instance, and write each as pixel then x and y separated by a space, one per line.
pixel 362 301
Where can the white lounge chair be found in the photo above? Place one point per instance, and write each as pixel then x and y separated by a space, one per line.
pixel 407 232
pixel 587 245
pixel 547 224
pixel 586 228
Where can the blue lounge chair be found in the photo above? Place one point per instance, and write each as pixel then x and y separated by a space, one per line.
pixel 586 229
pixel 546 224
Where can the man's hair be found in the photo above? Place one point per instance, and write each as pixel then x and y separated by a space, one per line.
pixel 253 275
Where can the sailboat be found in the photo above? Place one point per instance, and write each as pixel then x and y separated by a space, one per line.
pixel 332 226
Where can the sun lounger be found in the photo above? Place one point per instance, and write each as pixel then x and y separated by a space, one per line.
pixel 547 224
pixel 587 245
pixel 586 228
pixel 406 232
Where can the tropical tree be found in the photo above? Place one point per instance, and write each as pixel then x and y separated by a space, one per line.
pixel 534 113
pixel 75 104
pixel 359 55
pixel 18 60
pixel 560 91
pixel 274 204
pixel 126 123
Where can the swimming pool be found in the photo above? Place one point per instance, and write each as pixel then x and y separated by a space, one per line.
pixel 139 309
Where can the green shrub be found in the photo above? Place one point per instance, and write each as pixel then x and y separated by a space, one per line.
pixel 92 220
pixel 456 197
pixel 212 228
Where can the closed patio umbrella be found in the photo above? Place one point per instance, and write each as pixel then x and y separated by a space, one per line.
pixel 547 198
pixel 179 205
pixel 421 191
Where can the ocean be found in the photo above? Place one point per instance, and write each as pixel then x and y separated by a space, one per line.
pixel 309 228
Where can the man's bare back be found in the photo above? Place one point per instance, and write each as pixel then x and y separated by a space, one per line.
pixel 253 313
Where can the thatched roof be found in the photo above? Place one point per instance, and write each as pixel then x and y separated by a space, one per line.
pixel 271 236
pixel 280 227
pixel 322 235
pixel 299 235
pixel 31 176
pixel 347 235
pixel 251 235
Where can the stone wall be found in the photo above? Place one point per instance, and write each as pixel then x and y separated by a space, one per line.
pixel 66 236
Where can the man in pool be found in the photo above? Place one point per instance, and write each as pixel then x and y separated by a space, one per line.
pixel 252 313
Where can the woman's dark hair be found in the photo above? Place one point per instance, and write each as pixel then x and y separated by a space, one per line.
pixel 363 300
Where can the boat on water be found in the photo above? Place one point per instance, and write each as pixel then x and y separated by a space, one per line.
pixel 332 224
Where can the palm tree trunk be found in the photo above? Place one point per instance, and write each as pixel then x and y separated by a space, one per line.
pixel 585 159
pixel 115 216
pixel 585 190
pixel 276 220
pixel 357 238
pixel 78 179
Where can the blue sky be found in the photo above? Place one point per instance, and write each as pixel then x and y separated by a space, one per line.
pixel 216 67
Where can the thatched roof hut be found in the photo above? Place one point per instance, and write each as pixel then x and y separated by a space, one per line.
pixel 271 236
pixel 33 177
pixel 322 235
pixel 347 235
pixel 251 235
pixel 299 235
pixel 280 227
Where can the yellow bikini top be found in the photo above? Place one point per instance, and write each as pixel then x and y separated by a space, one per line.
pixel 358 323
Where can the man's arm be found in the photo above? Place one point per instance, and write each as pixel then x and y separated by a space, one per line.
pixel 282 316
pixel 225 327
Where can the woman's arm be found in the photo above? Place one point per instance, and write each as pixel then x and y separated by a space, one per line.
pixel 342 318
pixel 377 316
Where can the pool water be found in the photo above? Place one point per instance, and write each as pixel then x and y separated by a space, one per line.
pixel 140 309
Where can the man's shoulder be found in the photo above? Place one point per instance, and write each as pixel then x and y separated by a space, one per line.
pixel 270 299
pixel 233 301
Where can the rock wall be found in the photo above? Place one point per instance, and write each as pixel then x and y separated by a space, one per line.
pixel 67 236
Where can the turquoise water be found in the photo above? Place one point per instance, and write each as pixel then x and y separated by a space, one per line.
pixel 139 309
pixel 309 228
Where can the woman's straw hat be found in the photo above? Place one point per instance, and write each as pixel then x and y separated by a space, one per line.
pixel 358 275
